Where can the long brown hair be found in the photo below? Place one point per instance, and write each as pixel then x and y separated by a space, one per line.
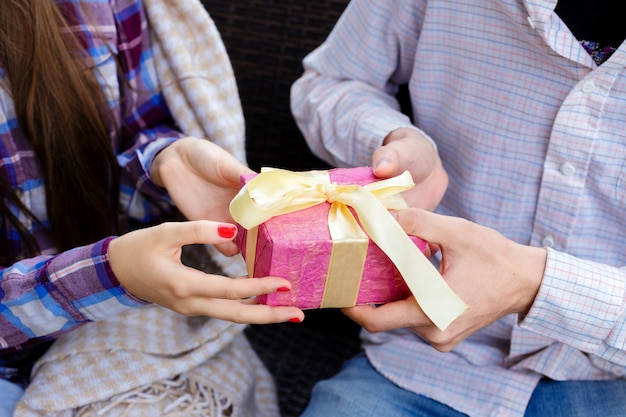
pixel 63 112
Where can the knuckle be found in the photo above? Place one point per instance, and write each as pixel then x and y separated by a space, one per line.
pixel 407 218
pixel 239 316
pixel 443 342
pixel 231 293
pixel 166 228
pixel 371 326
pixel 198 228
pixel 179 291
pixel 184 309
pixel 443 347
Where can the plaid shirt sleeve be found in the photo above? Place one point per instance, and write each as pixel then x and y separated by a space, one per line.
pixel 116 38
pixel 147 124
pixel 581 303
pixel 46 296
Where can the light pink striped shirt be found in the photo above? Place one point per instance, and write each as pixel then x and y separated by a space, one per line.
pixel 533 135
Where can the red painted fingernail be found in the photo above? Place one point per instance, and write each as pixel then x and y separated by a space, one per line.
pixel 283 289
pixel 295 320
pixel 226 230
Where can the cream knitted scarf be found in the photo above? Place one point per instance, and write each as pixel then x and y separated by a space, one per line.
pixel 151 362
pixel 198 83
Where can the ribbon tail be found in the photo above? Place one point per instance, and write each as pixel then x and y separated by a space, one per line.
pixel 432 293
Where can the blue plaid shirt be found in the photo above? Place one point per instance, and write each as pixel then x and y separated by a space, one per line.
pixel 53 293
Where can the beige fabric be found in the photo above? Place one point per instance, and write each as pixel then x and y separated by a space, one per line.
pixel 151 362
pixel 195 73
pixel 198 83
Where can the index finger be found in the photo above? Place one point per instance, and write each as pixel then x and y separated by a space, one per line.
pixel 436 228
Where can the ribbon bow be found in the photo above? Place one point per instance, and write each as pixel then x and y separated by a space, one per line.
pixel 274 192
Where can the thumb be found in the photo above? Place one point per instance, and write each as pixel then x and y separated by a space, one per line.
pixel 385 162
pixel 417 157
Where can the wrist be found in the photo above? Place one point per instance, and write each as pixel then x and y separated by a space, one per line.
pixel 530 270
pixel 165 164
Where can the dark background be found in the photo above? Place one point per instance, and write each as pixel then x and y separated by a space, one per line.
pixel 266 41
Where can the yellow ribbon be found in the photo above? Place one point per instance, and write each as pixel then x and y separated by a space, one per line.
pixel 275 192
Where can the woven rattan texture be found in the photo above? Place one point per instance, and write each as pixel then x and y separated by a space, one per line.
pixel 266 41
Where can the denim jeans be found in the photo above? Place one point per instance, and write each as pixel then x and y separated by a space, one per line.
pixel 360 391
pixel 10 394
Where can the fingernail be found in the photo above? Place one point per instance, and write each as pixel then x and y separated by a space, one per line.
pixel 382 162
pixel 283 289
pixel 295 320
pixel 226 230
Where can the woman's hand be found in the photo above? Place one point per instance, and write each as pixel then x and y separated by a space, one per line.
pixel 492 274
pixel 407 149
pixel 147 262
pixel 201 177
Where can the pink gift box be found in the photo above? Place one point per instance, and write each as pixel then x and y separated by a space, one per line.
pixel 297 246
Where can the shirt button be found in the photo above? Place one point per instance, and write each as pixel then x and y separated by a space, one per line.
pixel 567 169
pixel 588 87
pixel 548 241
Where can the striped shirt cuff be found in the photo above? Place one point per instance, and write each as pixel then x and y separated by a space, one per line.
pixel 578 302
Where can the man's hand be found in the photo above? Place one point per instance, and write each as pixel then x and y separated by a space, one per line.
pixel 492 274
pixel 407 149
